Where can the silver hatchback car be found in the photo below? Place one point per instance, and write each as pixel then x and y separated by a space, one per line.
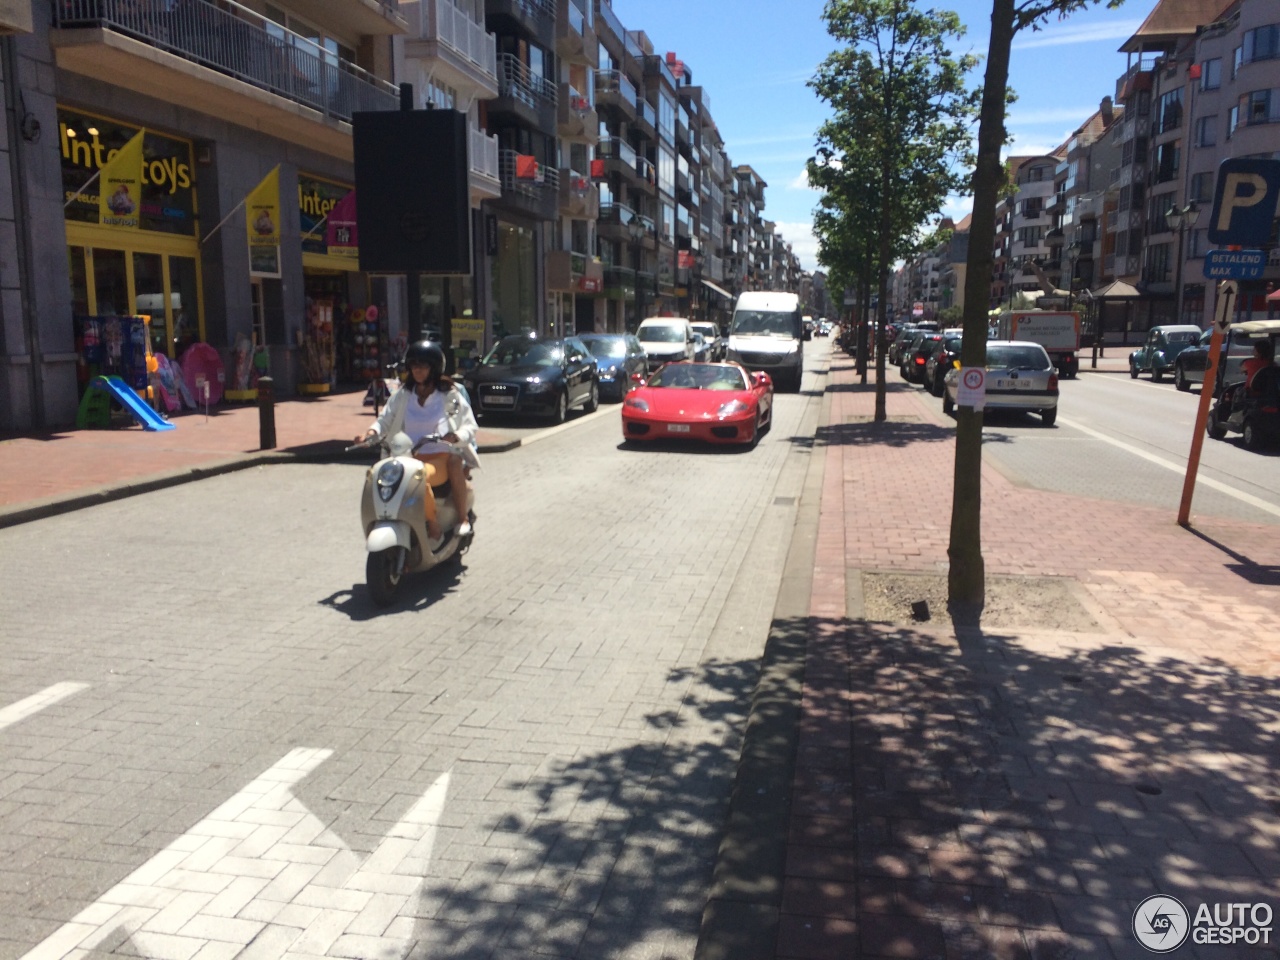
pixel 1020 376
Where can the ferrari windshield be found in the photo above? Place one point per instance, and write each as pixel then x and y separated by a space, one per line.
pixel 689 376
pixel 521 351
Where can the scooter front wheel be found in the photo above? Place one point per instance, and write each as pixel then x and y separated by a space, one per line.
pixel 382 573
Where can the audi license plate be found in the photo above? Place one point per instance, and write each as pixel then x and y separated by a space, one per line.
pixel 499 401
pixel 1004 383
pixel 677 428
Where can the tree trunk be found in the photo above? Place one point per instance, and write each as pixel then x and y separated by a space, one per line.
pixel 966 581
pixel 882 288
pixel 864 297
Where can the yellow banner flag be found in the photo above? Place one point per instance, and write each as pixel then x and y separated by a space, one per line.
pixel 262 218
pixel 120 186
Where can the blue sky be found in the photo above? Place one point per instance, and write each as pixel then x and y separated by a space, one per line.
pixel 755 56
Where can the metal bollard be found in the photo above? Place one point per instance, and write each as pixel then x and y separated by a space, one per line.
pixel 266 414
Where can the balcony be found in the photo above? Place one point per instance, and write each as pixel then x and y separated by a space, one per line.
pixel 614 222
pixel 576 41
pixel 485 180
pixel 460 52
pixel 529 98
pixel 619 158
pixel 535 19
pixel 571 272
pixel 646 122
pixel 221 62
pixel 609 28
pixel 579 198
pixel 576 119
pixel 619 283
pixel 616 93
pixel 538 194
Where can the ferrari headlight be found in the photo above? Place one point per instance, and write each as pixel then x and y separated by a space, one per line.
pixel 635 403
pixel 731 409
pixel 389 476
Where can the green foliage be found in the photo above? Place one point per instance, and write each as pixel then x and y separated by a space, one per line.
pixel 951 316
pixel 898 141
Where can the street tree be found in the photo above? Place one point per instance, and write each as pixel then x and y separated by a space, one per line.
pixel 966 579
pixel 899 136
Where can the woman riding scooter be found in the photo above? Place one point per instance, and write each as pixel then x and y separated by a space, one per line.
pixel 431 403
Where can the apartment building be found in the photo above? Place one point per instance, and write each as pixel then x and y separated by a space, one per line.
pixel 225 92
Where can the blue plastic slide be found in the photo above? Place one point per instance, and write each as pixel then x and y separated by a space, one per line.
pixel 130 400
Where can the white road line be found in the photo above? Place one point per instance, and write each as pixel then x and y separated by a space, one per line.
pixel 223 884
pixel 561 428
pixel 36 702
pixel 1178 468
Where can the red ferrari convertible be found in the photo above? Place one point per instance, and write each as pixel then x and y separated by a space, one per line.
pixel 715 402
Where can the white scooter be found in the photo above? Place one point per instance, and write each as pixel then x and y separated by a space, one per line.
pixel 394 518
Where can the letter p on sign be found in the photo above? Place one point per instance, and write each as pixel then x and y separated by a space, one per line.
pixel 1244 203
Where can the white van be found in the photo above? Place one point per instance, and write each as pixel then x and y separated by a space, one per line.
pixel 666 339
pixel 768 333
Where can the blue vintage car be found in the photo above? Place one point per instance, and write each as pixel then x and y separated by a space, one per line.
pixel 1159 352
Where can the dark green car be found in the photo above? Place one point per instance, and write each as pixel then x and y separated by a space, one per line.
pixel 1159 352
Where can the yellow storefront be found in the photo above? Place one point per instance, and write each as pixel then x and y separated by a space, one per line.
pixel 151 269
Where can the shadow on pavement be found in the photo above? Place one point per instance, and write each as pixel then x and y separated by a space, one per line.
pixel 895 433
pixel 417 591
pixel 1264 575
pixel 602 850
pixel 990 797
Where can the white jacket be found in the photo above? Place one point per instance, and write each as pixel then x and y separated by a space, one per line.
pixel 458 412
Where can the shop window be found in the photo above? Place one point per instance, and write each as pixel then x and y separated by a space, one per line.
pixel 148 298
pixel 110 282
pixel 184 304
pixel 79 282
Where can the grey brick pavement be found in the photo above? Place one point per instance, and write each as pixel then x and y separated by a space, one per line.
pixel 582 685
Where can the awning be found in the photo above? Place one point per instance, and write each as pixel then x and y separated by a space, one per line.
pixel 1117 290
pixel 720 290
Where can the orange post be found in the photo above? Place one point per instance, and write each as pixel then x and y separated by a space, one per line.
pixel 1227 291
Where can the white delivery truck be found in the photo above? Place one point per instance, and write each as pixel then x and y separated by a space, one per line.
pixel 1058 331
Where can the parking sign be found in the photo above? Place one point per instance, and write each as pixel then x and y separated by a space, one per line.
pixel 1244 202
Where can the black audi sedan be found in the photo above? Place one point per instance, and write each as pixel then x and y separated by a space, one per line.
pixel 541 378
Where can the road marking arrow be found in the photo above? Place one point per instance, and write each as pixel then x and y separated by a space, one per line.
pixel 262 872
pixel 38 701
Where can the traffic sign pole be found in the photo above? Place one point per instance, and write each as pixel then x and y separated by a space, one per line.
pixel 1228 290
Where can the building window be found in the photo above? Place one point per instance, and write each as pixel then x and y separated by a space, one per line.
pixel 1032 208
pixel 1201 189
pixel 1261 43
pixel 1170 115
pixel 1233 121
pixel 1211 74
pixel 1158 259
pixel 1167 158
pixel 1206 131
pixel 1197 244
pixel 1259 106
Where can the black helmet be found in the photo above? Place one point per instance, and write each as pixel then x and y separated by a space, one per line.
pixel 424 351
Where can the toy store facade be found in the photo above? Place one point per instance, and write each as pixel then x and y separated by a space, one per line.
pixel 186 259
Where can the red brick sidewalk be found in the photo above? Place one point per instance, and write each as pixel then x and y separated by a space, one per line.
pixel 49 468
pixel 1016 793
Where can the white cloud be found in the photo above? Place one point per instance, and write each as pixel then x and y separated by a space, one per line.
pixel 1050 116
pixel 802 182
pixel 1059 36
pixel 799 233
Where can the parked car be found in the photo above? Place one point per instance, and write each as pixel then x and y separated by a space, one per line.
pixel 1020 376
pixel 899 343
pixel 712 402
pixel 824 327
pixel 1159 352
pixel 665 339
pixel 1253 409
pixel 914 356
pixel 618 357
pixel 529 377
pixel 711 334
pixel 1190 365
pixel 945 353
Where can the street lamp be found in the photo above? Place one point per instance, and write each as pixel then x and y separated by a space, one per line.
pixel 1181 221
pixel 635 229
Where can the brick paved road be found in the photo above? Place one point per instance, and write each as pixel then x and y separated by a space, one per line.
pixel 534 756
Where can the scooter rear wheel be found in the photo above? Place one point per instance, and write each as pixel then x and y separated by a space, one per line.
pixel 381 577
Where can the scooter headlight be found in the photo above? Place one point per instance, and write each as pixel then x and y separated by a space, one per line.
pixel 389 476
